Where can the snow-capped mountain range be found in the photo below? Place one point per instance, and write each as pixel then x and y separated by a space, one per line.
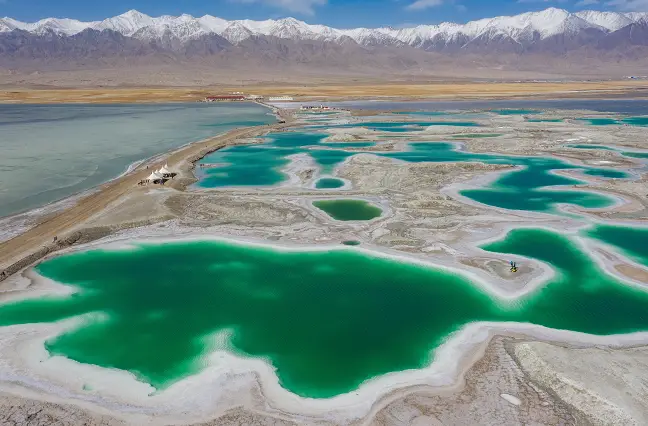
pixel 133 46
pixel 523 29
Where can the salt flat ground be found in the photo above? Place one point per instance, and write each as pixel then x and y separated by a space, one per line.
pixel 504 382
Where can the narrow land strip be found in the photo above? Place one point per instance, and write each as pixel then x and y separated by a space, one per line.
pixel 33 244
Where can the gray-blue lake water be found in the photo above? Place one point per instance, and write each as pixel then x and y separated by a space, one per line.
pixel 50 152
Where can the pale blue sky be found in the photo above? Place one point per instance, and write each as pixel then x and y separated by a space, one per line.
pixel 337 13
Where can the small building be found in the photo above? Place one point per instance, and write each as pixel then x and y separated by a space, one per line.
pixel 254 97
pixel 280 98
pixel 224 98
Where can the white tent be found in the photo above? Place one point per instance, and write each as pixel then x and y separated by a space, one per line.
pixel 155 175
pixel 164 171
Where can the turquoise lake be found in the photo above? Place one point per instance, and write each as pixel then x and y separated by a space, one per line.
pixel 631 241
pixel 524 189
pixel 632 121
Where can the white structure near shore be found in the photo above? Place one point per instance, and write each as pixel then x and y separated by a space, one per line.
pixel 280 98
pixel 164 171
pixel 154 176
pixel 161 174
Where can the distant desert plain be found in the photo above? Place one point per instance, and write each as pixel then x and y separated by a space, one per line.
pixel 333 90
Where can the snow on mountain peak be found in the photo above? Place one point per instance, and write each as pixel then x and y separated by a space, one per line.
pixel 9 24
pixel 523 27
pixel 127 23
pixel 236 32
pixel 609 20
pixel 61 26
pixel 213 24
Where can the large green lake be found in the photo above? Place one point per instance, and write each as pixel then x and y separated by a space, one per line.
pixel 326 320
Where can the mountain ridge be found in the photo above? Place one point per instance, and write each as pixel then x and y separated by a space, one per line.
pixel 519 28
pixel 133 46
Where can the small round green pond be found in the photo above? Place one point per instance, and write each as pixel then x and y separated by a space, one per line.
pixel 347 210
pixel 329 183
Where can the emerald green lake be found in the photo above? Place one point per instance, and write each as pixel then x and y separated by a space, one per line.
pixel 329 183
pixel 522 189
pixel 589 146
pixel 632 121
pixel 255 165
pixel 347 210
pixel 632 242
pixel 326 320
pixel 635 154
pixel 636 121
